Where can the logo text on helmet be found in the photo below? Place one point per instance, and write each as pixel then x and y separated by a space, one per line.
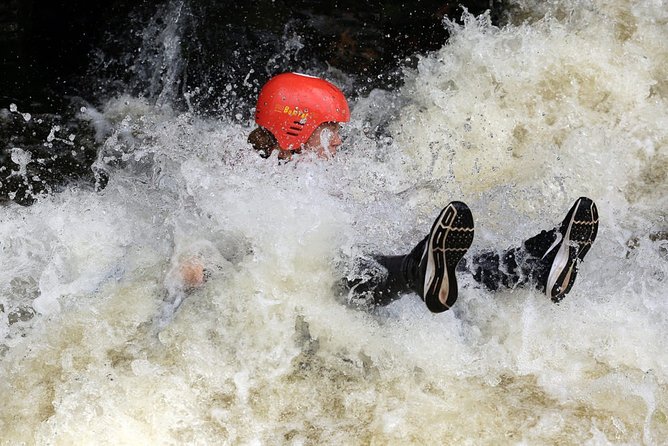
pixel 301 114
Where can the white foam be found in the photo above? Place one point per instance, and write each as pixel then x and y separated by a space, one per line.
pixel 517 122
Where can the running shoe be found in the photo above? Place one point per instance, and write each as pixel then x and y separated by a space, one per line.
pixel 450 237
pixel 574 239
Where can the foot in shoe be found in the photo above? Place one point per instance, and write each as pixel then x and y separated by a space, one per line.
pixel 450 237
pixel 574 239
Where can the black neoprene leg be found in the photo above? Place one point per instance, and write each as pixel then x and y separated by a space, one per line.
pixel 392 276
pixel 526 265
pixel 396 276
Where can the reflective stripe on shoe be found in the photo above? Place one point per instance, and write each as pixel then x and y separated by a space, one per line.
pixel 450 237
pixel 579 230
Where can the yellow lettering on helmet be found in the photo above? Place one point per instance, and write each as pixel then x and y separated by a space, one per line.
pixel 301 114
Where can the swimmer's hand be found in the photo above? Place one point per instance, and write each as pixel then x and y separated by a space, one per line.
pixel 192 273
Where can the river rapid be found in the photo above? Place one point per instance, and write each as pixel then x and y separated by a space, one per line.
pixel 100 344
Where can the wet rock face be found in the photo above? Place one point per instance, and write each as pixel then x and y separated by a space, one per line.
pixel 43 152
pixel 55 49
pixel 205 55
pixel 45 47
pixel 367 41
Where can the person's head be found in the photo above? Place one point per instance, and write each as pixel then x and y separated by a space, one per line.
pixel 296 112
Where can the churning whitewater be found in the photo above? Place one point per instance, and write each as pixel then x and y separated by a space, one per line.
pixel 100 343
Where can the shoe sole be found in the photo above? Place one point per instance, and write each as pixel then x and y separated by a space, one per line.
pixel 449 239
pixel 580 234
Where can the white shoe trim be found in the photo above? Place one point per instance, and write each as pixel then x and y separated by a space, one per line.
pixel 562 257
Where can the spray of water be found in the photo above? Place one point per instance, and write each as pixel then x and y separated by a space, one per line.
pixel 100 343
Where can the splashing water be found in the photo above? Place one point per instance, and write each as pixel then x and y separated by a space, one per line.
pixel 100 344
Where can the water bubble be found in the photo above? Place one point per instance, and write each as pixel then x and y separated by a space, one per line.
pixel 27 116
pixel 52 133
pixel 83 109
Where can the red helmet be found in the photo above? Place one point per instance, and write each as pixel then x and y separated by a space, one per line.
pixel 291 106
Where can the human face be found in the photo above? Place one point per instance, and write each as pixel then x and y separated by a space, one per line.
pixel 324 140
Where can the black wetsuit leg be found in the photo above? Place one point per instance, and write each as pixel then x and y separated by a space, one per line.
pixel 384 279
pixel 527 265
